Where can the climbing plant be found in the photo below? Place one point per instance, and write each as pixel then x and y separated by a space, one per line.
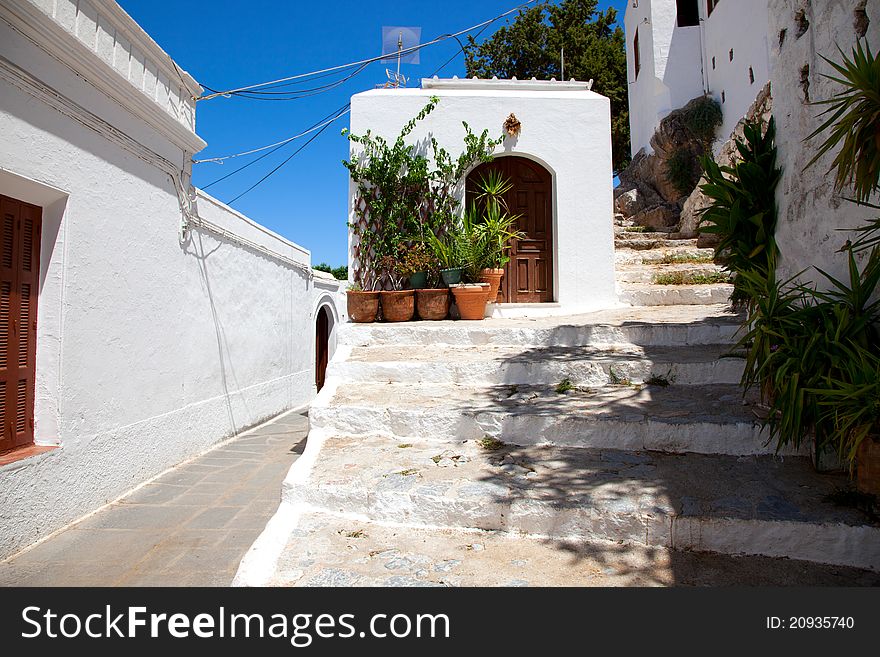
pixel 406 191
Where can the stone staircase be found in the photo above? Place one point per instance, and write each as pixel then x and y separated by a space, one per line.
pixel 620 428
pixel 665 269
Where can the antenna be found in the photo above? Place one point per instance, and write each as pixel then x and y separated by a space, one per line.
pixel 562 72
pixel 398 43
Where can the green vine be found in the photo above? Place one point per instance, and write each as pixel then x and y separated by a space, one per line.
pixel 406 192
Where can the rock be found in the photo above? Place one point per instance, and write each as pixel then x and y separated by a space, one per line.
pixel 659 218
pixel 693 207
pixel 636 199
pixel 707 241
pixel 647 198
pixel 691 212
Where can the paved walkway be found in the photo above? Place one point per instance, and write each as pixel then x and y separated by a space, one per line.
pixel 190 527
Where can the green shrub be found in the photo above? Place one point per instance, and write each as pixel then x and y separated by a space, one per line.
pixel 743 206
pixel 703 117
pixel 683 171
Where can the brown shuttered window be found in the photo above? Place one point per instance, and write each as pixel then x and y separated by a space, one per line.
pixel 20 224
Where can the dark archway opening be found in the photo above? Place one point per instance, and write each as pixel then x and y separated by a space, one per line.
pixel 322 346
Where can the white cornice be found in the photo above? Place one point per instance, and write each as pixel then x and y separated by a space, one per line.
pixel 136 34
pixel 505 85
pixel 41 91
pixel 46 33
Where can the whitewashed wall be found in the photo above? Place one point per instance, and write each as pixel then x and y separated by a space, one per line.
pixel 741 26
pixel 148 350
pixel 566 128
pixel 677 62
pixel 671 73
pixel 810 212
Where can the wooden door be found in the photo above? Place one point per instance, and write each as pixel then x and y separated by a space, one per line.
pixel 528 277
pixel 322 347
pixel 20 225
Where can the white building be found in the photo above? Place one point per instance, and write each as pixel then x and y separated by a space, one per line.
pixel 141 321
pixel 680 49
pixel 560 166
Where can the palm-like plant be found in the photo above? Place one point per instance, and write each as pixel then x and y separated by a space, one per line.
pixel 493 226
pixel 853 122
pixel 743 210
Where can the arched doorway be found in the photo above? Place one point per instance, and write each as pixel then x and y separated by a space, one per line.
pixel 528 277
pixel 322 346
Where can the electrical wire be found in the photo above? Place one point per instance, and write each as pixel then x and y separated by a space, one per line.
pixel 330 118
pixel 401 53
pixel 297 93
pixel 285 161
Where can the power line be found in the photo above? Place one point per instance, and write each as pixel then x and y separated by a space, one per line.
pixel 288 159
pixel 296 94
pixel 337 114
pixel 405 51
pixel 330 118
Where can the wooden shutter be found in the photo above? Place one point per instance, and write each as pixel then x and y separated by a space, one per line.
pixel 20 225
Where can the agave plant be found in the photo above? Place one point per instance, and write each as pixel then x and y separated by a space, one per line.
pixel 853 122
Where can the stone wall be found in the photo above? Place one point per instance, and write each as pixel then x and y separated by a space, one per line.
pixel 811 212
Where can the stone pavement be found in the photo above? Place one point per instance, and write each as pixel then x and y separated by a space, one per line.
pixel 190 527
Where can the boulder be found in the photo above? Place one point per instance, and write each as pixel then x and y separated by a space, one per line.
pixel 634 198
pixel 659 218
pixel 693 207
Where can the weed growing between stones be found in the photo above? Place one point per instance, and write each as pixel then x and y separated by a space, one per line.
pixel 490 444
pixel 564 386
pixel 691 278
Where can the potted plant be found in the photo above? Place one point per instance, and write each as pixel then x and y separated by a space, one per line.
pixel 446 251
pixel 363 306
pixel 413 264
pixel 432 303
pixel 471 295
pixel 494 227
pixel 398 305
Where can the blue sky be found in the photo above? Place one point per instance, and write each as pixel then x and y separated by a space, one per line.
pixel 228 43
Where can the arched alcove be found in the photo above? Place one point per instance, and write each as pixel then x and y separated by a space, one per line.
pixel 528 277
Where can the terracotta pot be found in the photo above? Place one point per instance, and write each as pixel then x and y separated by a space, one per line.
pixel 362 306
pixel 493 278
pixel 398 306
pixel 868 466
pixel 471 299
pixel 433 305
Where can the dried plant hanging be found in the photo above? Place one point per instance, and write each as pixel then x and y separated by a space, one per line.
pixel 512 125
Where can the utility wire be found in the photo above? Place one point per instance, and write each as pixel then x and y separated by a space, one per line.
pixel 295 94
pixel 405 51
pixel 330 118
pixel 288 159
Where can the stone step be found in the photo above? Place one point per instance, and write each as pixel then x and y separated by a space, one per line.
pixel 323 549
pixel 646 326
pixel 643 294
pixel 702 419
pixel 648 273
pixel 747 505
pixel 624 233
pixel 629 256
pixel 638 242
pixel 582 366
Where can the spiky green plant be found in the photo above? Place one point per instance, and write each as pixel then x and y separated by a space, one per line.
pixel 853 122
pixel 743 205
pixel 849 402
